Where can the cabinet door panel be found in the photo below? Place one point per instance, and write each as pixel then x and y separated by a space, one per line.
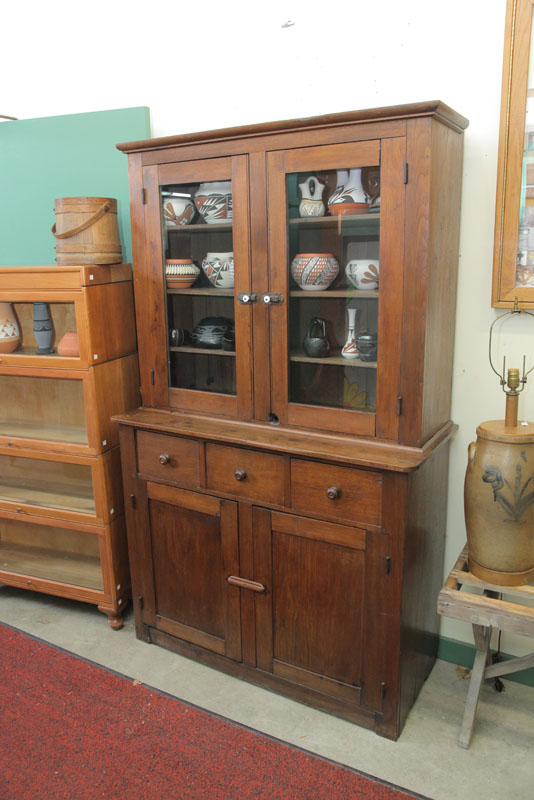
pixel 194 548
pixel 197 221
pixel 310 622
pixel 335 353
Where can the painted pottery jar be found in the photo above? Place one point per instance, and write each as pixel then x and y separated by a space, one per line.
pixel 350 348
pixel 69 346
pixel 9 329
pixel 180 273
pixel 316 344
pixel 219 269
pixel 177 211
pixel 363 273
pixel 314 271
pixel 214 201
pixel 42 329
pixel 499 503
pixel 211 331
pixel 348 196
pixel 311 198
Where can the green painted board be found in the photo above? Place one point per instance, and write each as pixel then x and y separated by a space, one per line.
pixel 63 156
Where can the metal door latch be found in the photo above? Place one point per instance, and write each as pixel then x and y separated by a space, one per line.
pixel 247 298
pixel 272 298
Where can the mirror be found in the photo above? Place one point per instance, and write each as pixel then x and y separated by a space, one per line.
pixel 513 261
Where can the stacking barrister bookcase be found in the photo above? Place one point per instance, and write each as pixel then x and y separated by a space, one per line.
pixel 62 528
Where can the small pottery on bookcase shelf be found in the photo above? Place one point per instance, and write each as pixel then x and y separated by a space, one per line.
pixel 349 196
pixel 350 349
pixel 69 346
pixel 363 273
pixel 314 271
pixel 9 329
pixel 316 344
pixel 311 197
pixel 42 329
pixel 214 201
pixel 180 273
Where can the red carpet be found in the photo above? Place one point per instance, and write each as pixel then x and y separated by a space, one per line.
pixel 71 729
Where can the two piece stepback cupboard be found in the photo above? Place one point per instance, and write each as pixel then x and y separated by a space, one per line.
pixel 286 508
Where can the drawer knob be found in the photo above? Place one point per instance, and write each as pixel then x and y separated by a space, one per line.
pixel 164 458
pixel 333 493
pixel 240 474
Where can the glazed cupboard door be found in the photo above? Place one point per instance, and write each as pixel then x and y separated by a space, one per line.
pixel 198 341
pixel 318 624
pixel 336 283
pixel 193 549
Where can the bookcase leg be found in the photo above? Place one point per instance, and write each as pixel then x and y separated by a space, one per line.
pixel 115 619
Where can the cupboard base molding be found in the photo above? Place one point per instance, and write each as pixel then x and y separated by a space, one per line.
pixel 338 708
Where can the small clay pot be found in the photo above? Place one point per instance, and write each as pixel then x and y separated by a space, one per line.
pixel 69 346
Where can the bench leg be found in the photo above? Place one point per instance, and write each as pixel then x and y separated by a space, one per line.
pixel 482 637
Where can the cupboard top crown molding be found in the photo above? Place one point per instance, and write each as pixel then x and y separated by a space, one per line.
pixel 432 108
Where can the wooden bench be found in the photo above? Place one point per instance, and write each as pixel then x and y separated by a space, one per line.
pixel 468 598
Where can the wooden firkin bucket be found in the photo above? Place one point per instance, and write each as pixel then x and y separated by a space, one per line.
pixel 87 231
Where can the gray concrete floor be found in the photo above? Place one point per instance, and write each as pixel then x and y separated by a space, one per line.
pixel 499 764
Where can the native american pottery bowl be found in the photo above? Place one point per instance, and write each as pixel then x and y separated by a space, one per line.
pixel 228 340
pixel 311 198
pixel 499 503
pixel 177 211
pixel 316 344
pixel 366 344
pixel 9 329
pixel 180 273
pixel 314 271
pixel 211 331
pixel 69 346
pixel 363 273
pixel 219 269
pixel 214 201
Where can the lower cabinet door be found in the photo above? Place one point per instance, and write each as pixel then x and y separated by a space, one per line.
pixel 312 621
pixel 194 548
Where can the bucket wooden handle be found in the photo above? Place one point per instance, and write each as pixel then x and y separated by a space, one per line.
pixel 87 224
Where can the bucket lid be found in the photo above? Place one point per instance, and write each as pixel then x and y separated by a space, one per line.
pixel 496 430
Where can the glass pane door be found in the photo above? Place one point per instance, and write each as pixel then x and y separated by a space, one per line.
pixel 199 273
pixel 334 266
pixel 337 264
pixel 203 216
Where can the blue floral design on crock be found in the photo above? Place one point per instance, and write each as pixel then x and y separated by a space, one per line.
pixel 520 501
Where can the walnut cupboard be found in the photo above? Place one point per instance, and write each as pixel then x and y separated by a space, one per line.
pixel 286 497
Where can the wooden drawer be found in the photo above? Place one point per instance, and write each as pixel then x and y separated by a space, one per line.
pixel 332 491
pixel 263 477
pixel 168 457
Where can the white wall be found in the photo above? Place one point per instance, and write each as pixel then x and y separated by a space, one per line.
pixel 213 64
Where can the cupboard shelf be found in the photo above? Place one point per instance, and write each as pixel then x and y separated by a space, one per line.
pixel 349 294
pixel 334 359
pixel 206 351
